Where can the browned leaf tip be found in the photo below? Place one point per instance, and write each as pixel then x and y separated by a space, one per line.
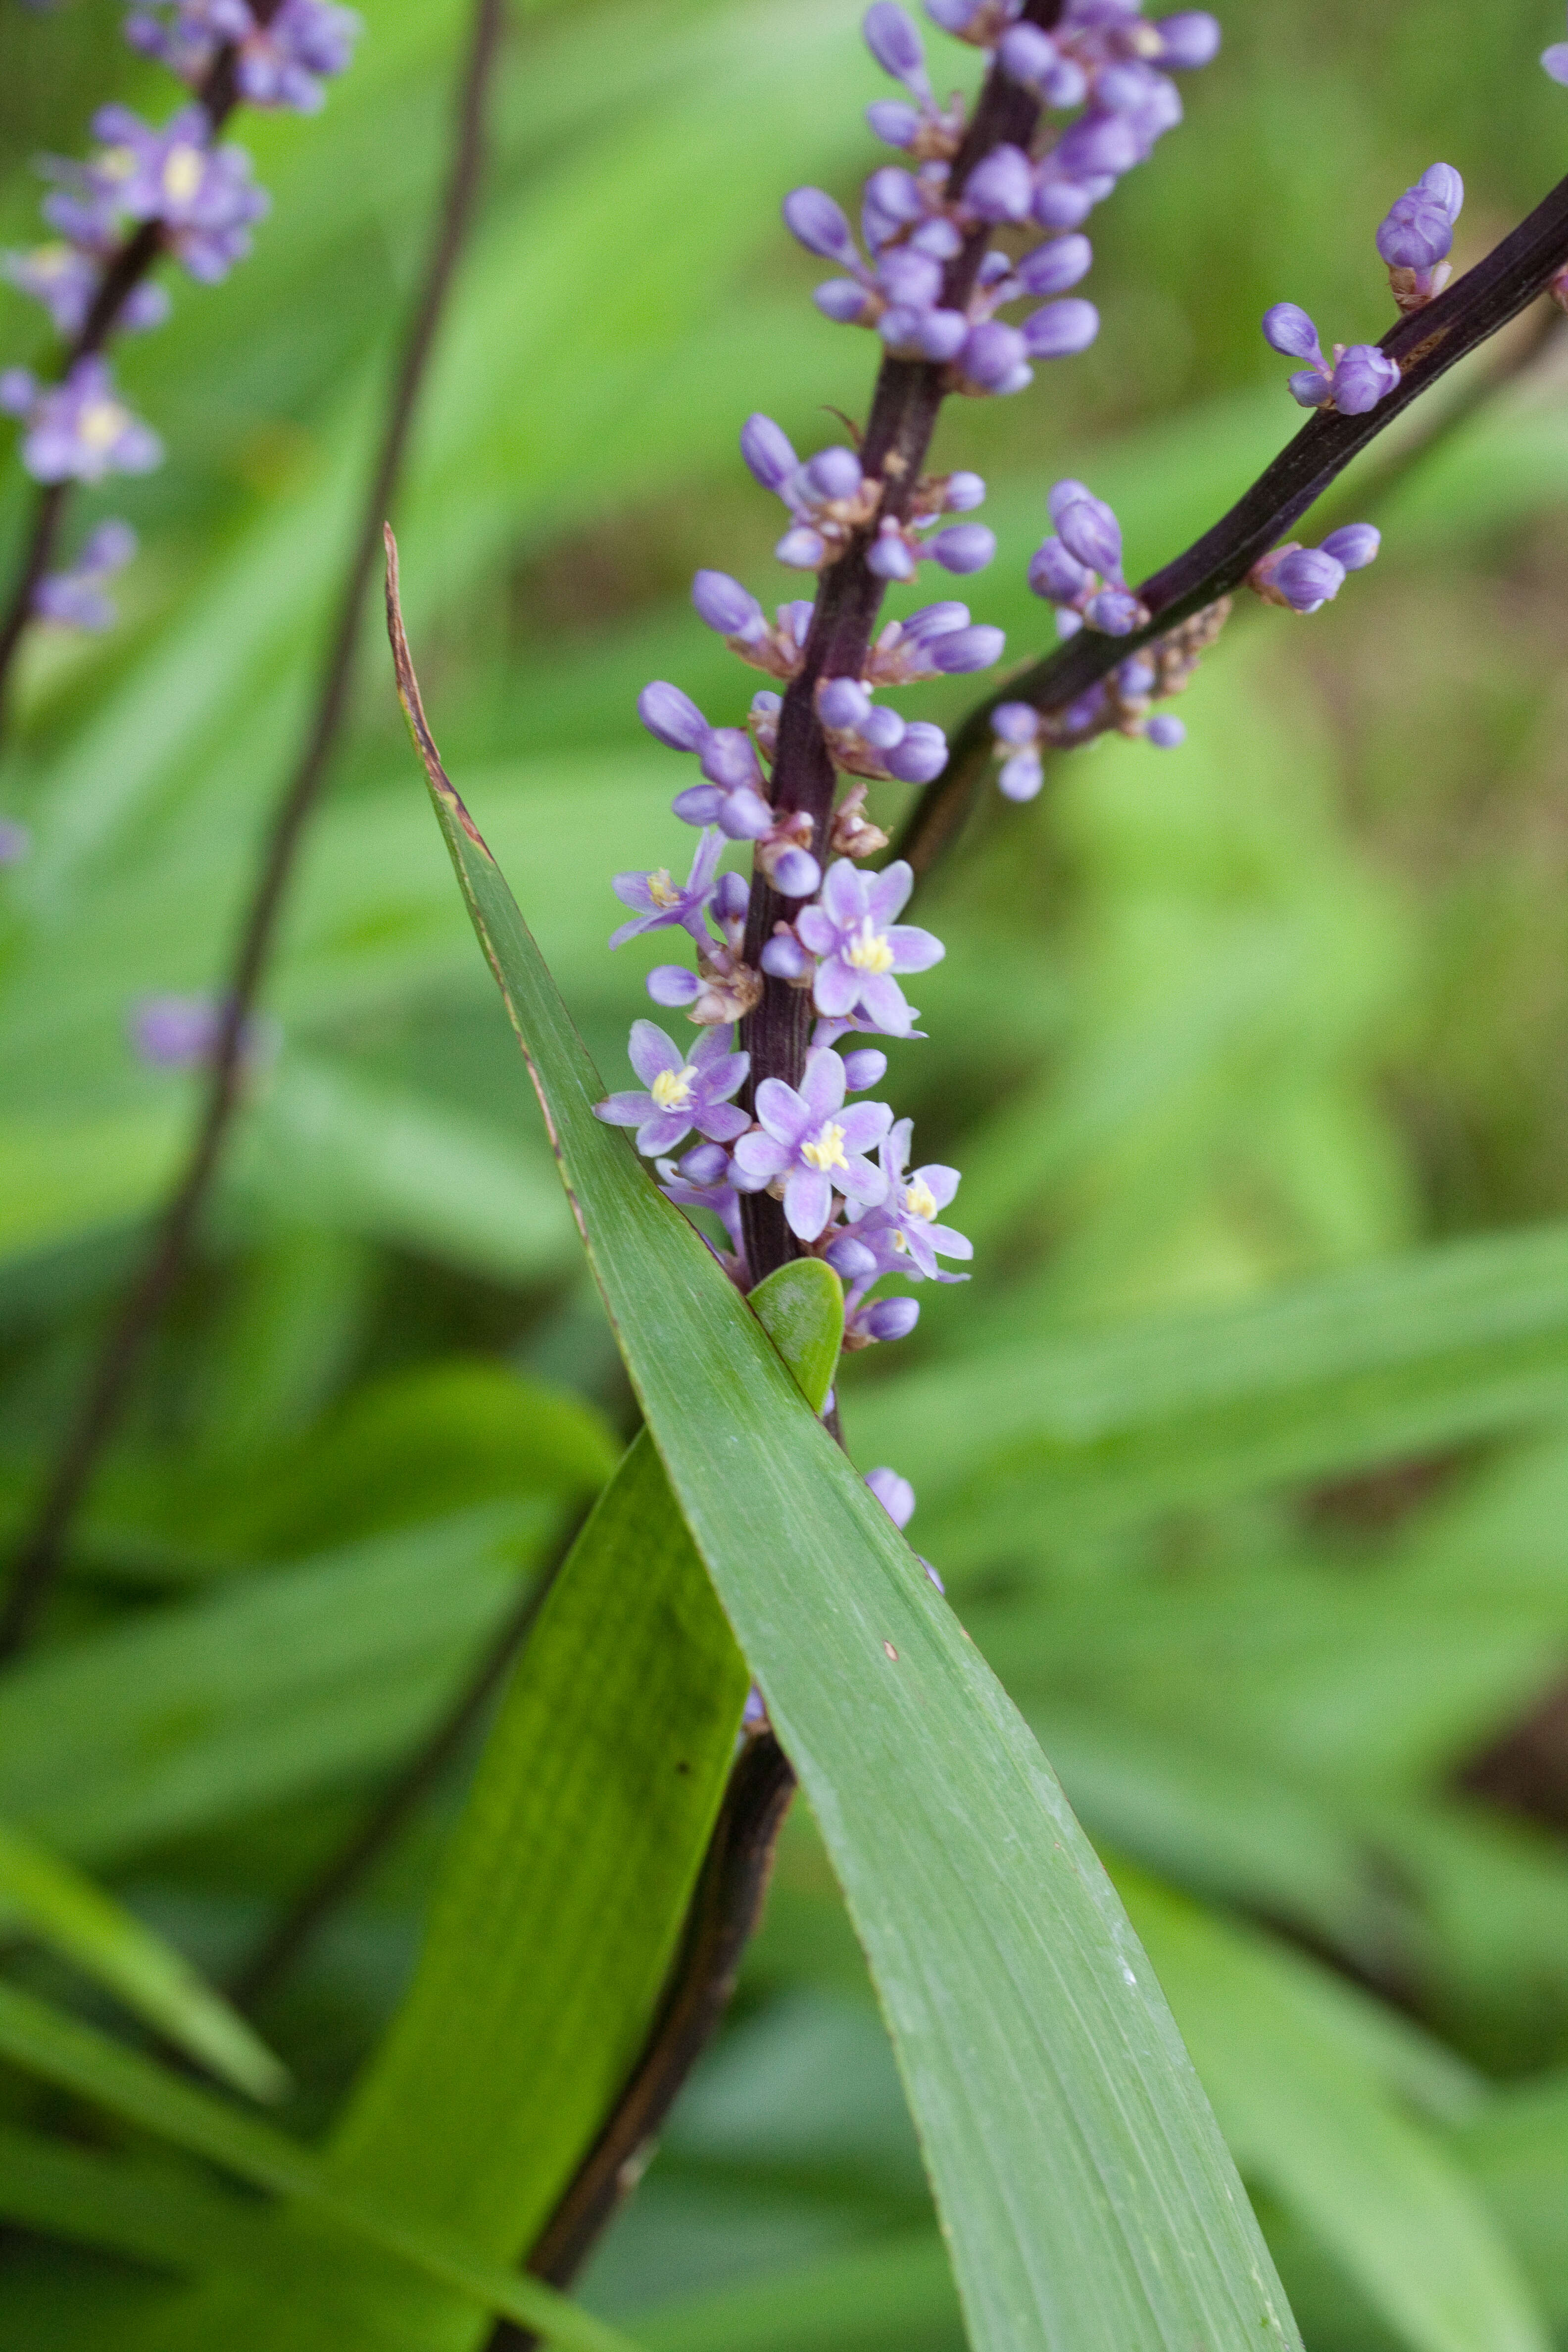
pixel 413 702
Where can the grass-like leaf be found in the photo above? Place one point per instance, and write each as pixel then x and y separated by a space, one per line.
pixel 1088 2197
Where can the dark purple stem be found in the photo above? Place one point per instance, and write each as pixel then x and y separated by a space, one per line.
pixel 219 96
pixel 904 408
pixel 103 1401
pixel 1427 345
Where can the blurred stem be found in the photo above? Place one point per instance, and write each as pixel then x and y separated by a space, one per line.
pixel 904 408
pixel 103 1400
pixel 257 1975
pixel 725 1908
pixel 1426 344
pixel 218 95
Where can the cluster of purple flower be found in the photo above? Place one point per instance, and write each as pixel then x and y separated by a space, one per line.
pixel 1413 239
pixel 204 203
pixel 1078 569
pixel 1102 63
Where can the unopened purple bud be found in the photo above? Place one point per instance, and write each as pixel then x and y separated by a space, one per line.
pixel 1115 612
pixel 699 804
pixel 896 1494
pixel 1061 202
pixel 1136 676
pixel 894 42
pixel 833 474
pixel 726 607
pixel 802 549
pixel 881 728
pixel 1441 182
pixel 892 121
pixel 732 897
pixel 1355 544
pixel 961 650
pixel 15 841
pixel 1061 330
pixel 1056 574
pixel 1311 388
pixel 1288 329
pixel 1098 145
pixel 937 236
pixel 851 1258
pixel 1015 722
pixel 705 1163
pixel 934 621
pixel 965 493
pixel 921 756
pixel 1051 268
pixel 964 547
pixel 1026 55
pixel 1554 59
pixel 865 1066
pixel 891 201
pixel 728 757
pixel 1187 41
pixel 1001 186
pixel 783 958
pixel 888 557
pixel 672 984
pixel 796 874
pixel 1417 231
pixel 1361 378
pixel 840 300
pixel 672 716
pixel 765 447
pixel 910 277
pixel 995 358
pixel 1164 732
pixel 1090 532
pixel 811 215
pixel 1021 776
pixel 1306 578
pixel 842 702
pixel 941 335
pixel 888 1318
pixel 744 815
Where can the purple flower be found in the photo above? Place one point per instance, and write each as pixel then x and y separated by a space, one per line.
pixel 768 452
pixel 1061 330
pixel 700 1179
pixel 896 1494
pixel 728 607
pixel 1555 61
pixel 1288 329
pixel 78 430
pixel 681 1094
pixel 1086 527
pixel 995 359
pixel 1002 186
pixel 1055 266
pixel 75 596
pixel 204 195
pixel 854 932
pixel 1363 376
pixel 810 1141
pixel 964 547
pixel 281 63
pixel 884 1318
pixel 1165 730
pixel 659 901
pixel 816 222
pixel 65 282
pixel 15 841
pixel 904 1222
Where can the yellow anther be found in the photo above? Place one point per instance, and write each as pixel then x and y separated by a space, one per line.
pixel 919 1201
pixel 101 423
pixel 827 1151
pixel 869 951
pixel 671 1089
pixel 117 162
pixel 181 174
pixel 662 890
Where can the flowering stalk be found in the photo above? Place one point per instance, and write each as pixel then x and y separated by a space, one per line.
pixel 144 195
pixel 814 950
pixel 231 1035
pixel 1185 599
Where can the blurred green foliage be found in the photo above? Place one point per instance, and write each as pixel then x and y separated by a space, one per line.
pixel 1255 1016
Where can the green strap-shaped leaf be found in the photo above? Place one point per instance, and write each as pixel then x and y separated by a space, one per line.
pixel 62 2051
pixel 62 1907
pixel 1088 2198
